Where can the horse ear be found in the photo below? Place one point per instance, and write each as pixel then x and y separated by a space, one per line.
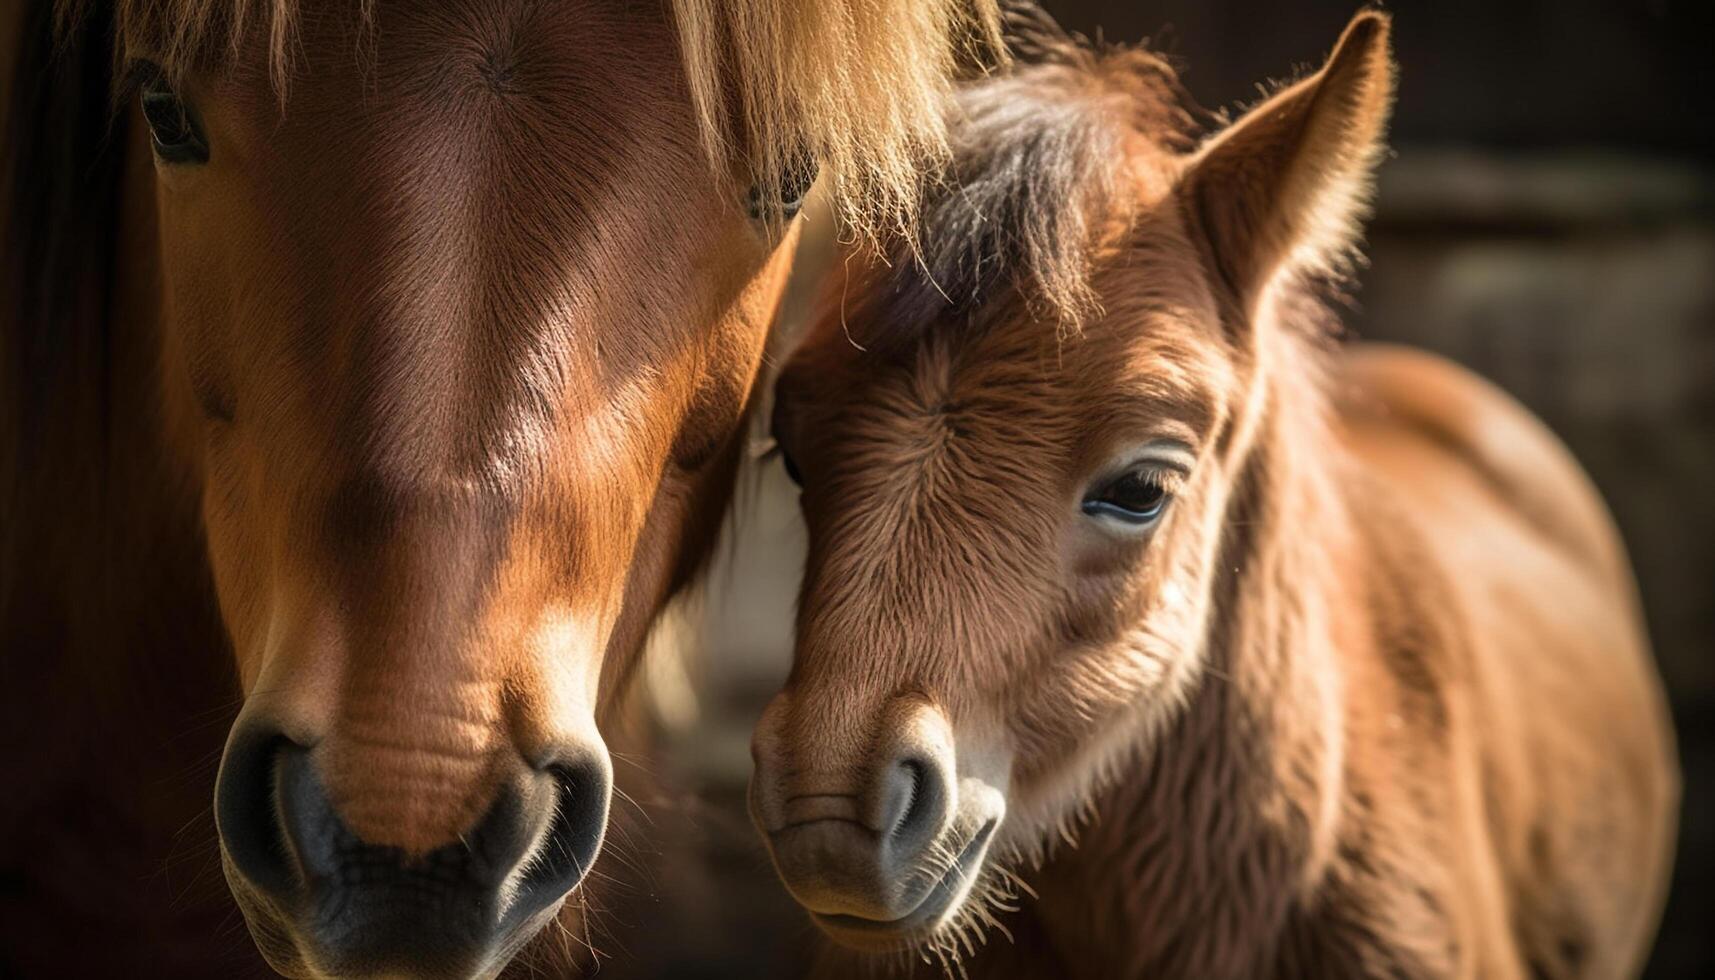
pixel 1286 186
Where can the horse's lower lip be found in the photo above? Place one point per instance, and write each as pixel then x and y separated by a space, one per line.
pixel 920 922
pixel 287 946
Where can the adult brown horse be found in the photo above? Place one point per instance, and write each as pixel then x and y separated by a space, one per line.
pixel 393 354
pixel 1338 645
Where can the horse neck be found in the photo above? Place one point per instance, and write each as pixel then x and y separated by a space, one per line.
pixel 110 639
pixel 119 611
pixel 1194 860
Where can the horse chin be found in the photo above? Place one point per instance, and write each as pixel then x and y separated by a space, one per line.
pixel 276 940
pixel 267 928
pixel 922 927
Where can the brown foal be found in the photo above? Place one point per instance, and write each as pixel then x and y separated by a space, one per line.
pixel 1143 622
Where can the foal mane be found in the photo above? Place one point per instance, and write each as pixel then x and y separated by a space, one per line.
pixel 858 86
pixel 1037 183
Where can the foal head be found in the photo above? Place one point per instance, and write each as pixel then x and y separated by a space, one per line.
pixel 1013 524
pixel 461 307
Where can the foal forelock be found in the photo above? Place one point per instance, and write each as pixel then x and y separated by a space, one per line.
pixel 1049 164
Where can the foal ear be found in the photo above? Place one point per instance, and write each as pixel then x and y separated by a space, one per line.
pixel 1286 186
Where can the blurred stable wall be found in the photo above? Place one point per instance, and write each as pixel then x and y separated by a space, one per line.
pixel 1548 220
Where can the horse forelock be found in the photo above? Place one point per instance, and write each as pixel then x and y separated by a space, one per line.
pixel 858 86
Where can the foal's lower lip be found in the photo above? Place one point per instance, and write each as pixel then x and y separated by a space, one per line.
pixel 918 922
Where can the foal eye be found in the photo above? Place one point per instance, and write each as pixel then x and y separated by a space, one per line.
pixel 795 184
pixel 1135 498
pixel 173 128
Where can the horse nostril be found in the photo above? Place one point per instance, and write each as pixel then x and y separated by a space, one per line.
pixel 359 907
pixel 314 834
pixel 245 812
pixel 574 837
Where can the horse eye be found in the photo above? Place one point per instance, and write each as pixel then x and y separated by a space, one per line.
pixel 795 184
pixel 173 129
pixel 789 464
pixel 786 460
pixel 1136 498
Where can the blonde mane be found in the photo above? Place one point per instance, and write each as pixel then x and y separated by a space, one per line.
pixel 858 86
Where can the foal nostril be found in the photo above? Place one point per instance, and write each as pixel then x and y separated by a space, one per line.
pixel 872 860
pixel 915 797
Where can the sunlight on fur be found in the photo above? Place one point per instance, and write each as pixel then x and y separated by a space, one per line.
pixel 860 88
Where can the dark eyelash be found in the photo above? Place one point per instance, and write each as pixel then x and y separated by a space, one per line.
pixel 1164 478
pixel 138 73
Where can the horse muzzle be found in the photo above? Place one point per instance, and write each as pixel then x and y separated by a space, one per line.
pixel 321 901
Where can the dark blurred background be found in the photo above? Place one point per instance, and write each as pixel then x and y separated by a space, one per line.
pixel 1548 219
